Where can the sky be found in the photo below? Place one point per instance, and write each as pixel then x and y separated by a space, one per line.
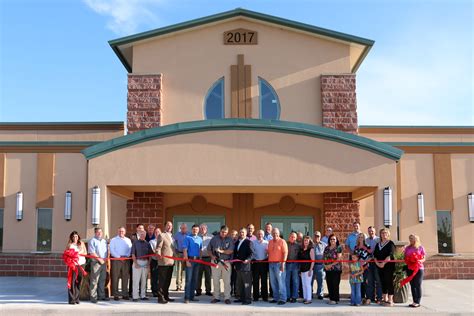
pixel 56 64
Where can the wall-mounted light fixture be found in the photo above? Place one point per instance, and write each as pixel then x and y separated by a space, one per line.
pixel 421 208
pixel 387 206
pixel 19 206
pixel 95 205
pixel 470 206
pixel 67 206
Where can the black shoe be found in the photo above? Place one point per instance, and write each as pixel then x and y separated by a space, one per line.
pixel 320 297
pixel 105 299
pixel 288 300
pixel 227 302
pixel 135 300
pixel 281 303
pixel 292 300
pixel 77 302
pixel 126 298
pixel 209 293
pixel 144 298
pixel 273 301
pixel 255 299
pixel 265 299
pixel 72 303
pixel 198 292
pixel 116 298
pixel 194 300
pixel 169 299
pixel 215 300
pixel 162 301
pixel 93 300
pixel 237 301
pixel 246 303
pixel 155 295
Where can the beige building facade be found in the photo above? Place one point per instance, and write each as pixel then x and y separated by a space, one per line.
pixel 236 118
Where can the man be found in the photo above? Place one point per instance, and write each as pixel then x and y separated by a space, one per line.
pixel 243 252
pixel 325 238
pixel 221 248
pixel 268 232
pixel 318 270
pixel 150 233
pixel 259 268
pixel 292 269
pixel 204 269
pixel 179 240
pixel 233 275
pixel 351 240
pixel 191 250
pixel 120 247
pixel 133 238
pixel 98 248
pixel 277 255
pixel 165 249
pixel 250 231
pixel 371 275
pixel 154 263
pixel 140 248
pixel 299 238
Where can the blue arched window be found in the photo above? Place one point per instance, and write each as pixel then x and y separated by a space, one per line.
pixel 214 101
pixel 269 102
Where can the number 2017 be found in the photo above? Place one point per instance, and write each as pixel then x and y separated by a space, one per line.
pixel 237 37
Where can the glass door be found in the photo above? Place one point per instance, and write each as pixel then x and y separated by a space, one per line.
pixel 288 224
pixel 213 223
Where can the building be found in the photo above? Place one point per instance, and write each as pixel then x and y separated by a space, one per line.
pixel 236 118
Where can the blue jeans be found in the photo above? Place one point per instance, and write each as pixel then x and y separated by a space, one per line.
pixel 277 280
pixel 319 275
pixel 292 280
pixel 191 280
pixel 355 293
pixel 373 282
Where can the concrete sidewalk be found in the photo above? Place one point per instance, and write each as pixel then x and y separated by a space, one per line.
pixel 48 296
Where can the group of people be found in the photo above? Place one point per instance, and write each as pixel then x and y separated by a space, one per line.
pixel 243 261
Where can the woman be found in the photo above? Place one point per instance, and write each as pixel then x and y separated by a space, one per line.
pixel 362 250
pixel 384 251
pixel 306 268
pixel 76 244
pixel 415 250
pixel 333 251
pixel 154 264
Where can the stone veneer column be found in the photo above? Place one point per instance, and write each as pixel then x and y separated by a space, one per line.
pixel 144 102
pixel 338 101
pixel 339 107
pixel 145 208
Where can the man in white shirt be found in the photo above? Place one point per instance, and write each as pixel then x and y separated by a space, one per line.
pixel 120 247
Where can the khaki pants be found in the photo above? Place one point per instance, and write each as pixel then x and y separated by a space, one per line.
pixel 97 280
pixel 180 266
pixel 139 278
pixel 219 273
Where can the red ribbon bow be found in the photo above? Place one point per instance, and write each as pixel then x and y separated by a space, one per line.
pixel 413 262
pixel 71 259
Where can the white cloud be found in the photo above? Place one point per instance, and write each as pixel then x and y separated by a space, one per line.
pixel 126 16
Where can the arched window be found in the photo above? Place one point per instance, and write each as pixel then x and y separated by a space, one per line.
pixel 269 102
pixel 214 101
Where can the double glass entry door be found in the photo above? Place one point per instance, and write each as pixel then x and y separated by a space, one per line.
pixel 213 223
pixel 288 224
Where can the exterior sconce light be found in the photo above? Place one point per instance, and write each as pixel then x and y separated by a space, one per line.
pixel 67 206
pixel 387 206
pixel 19 206
pixel 421 208
pixel 470 205
pixel 95 205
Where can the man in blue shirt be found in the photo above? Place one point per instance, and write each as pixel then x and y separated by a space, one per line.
pixel 98 248
pixel 351 240
pixel 178 243
pixel 192 246
pixel 268 232
pixel 318 269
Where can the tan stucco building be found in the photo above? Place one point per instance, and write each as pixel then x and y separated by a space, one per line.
pixel 236 118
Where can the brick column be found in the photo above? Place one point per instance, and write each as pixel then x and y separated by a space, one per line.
pixel 340 211
pixel 145 208
pixel 338 102
pixel 144 102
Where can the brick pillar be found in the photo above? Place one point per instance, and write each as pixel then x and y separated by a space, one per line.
pixel 340 211
pixel 144 102
pixel 145 208
pixel 338 101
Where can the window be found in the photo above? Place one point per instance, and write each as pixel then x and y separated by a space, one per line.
pixel 269 102
pixel 445 236
pixel 288 224
pixel 1 229
pixel 214 101
pixel 44 227
pixel 213 223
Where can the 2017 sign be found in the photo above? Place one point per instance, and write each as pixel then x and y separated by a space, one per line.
pixel 240 37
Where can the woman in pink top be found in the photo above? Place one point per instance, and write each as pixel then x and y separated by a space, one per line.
pixel 415 254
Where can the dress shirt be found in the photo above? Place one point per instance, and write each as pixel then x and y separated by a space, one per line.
pixel 153 247
pixel 371 242
pixel 260 249
pixel 267 236
pixel 240 243
pixel 251 237
pixel 120 247
pixel 293 250
pixel 193 245
pixel 325 239
pixel 141 248
pixel 319 251
pixel 179 238
pixel 206 239
pixel 99 247
pixel 220 243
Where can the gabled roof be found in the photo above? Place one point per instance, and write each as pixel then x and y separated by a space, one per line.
pixel 121 44
pixel 276 126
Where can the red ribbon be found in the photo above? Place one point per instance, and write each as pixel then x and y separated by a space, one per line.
pixel 71 259
pixel 155 255
pixel 414 263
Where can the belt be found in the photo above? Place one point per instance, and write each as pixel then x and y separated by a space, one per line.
pixel 193 257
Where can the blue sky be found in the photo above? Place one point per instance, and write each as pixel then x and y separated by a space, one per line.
pixel 56 64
